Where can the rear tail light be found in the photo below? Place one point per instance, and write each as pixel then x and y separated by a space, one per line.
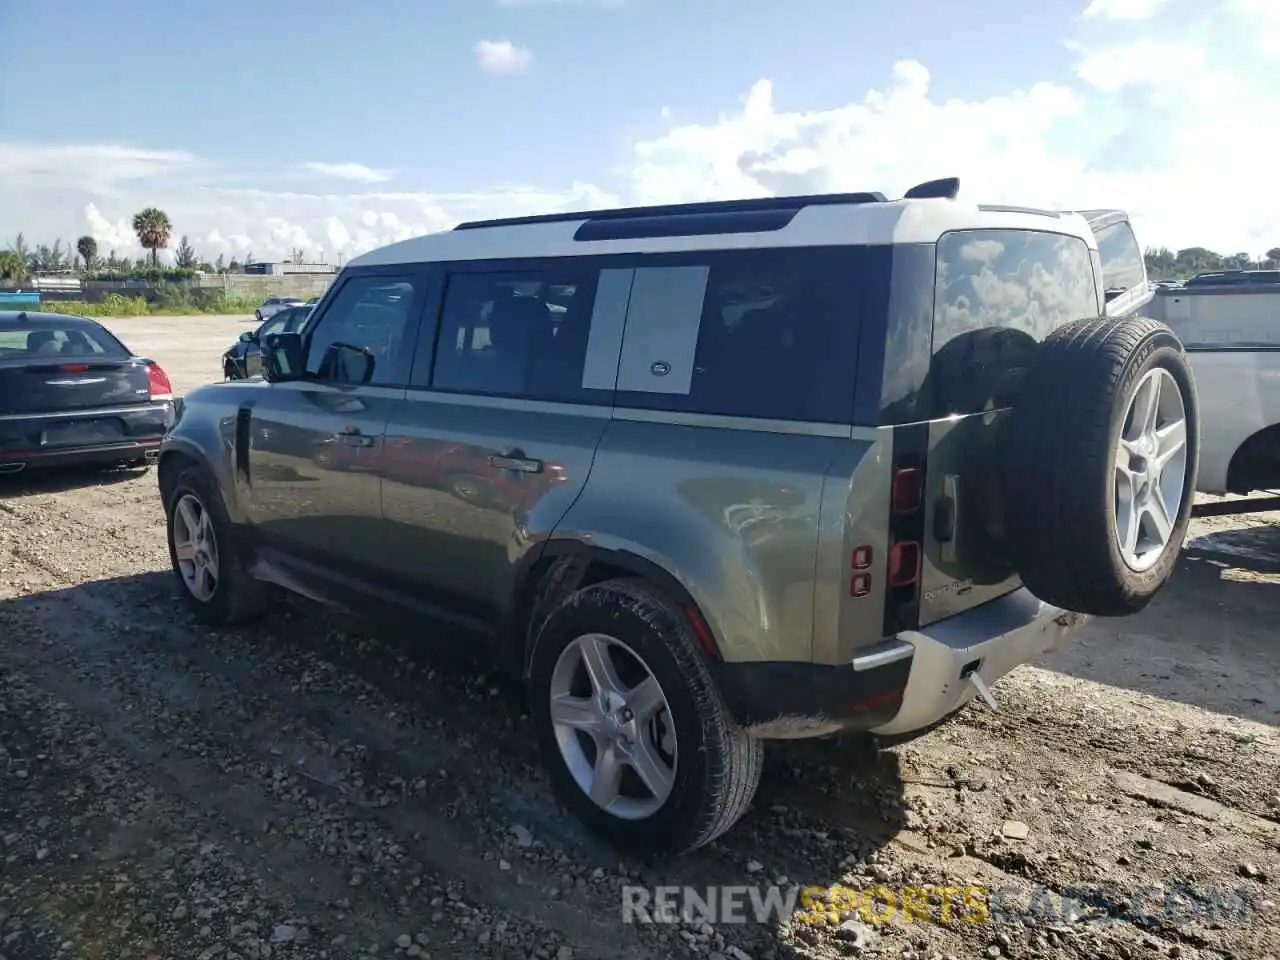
pixel 158 382
pixel 908 490
pixel 74 368
pixel 860 576
pixel 904 563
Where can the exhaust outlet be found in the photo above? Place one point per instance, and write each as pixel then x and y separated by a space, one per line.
pixel 13 466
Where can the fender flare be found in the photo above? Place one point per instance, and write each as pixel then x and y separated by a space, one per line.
pixel 522 600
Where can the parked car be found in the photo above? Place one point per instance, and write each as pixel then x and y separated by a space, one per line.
pixel 757 469
pixel 244 357
pixel 273 305
pixel 72 393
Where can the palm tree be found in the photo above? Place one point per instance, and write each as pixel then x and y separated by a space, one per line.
pixel 153 228
pixel 13 266
pixel 87 247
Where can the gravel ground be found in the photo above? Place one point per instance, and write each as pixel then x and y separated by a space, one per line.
pixel 303 788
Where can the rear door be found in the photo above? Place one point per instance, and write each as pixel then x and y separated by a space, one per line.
pixel 998 293
pixel 500 426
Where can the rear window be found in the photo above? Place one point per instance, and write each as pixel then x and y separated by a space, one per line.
pixel 49 340
pixel 998 293
pixel 769 334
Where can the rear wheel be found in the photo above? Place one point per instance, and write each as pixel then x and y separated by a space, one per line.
pixel 211 579
pixel 636 738
pixel 1100 465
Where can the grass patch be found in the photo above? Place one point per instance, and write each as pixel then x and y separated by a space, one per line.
pixel 169 300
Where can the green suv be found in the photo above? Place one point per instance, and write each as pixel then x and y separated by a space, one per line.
pixel 706 475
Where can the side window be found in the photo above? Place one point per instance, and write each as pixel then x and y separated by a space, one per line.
pixel 770 334
pixel 373 313
pixel 518 334
pixel 999 293
pixel 275 325
pixel 1122 267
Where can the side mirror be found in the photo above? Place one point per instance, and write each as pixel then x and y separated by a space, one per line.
pixel 346 363
pixel 282 357
pixel 247 337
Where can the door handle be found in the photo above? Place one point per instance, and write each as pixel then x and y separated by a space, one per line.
pixel 516 460
pixel 352 437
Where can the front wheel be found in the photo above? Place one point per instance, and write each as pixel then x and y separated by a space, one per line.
pixel 210 577
pixel 636 738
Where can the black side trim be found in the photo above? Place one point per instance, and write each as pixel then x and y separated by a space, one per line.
pixel 760 693
pixel 910 449
pixel 684 209
pixel 243 415
pixel 361 594
pixel 686 225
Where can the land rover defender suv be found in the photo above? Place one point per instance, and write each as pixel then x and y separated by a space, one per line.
pixel 706 475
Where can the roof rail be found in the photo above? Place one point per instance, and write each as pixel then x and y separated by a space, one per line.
pixel 948 188
pixel 704 208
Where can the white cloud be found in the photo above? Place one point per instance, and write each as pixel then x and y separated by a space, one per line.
pixel 349 171
pixel 1165 123
pixel 1123 9
pixel 503 56
pixel 1263 17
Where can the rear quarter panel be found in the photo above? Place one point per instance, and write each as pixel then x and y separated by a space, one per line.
pixel 732 514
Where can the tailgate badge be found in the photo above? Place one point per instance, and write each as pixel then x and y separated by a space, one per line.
pixel 984 691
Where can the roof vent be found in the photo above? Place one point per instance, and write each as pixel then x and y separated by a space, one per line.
pixel 945 189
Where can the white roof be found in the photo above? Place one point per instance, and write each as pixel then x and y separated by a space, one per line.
pixel 830 224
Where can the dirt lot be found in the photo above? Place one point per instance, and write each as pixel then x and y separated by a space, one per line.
pixel 303 789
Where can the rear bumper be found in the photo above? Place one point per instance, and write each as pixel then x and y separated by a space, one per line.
pixel 135 434
pixel 901 686
pixel 148 450
pixel 988 641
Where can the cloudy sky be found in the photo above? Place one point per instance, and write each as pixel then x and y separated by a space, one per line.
pixel 339 127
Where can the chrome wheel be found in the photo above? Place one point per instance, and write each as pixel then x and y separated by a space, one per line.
pixel 196 547
pixel 1151 470
pixel 613 726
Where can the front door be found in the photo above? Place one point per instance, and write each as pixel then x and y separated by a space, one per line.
pixel 499 428
pixel 314 444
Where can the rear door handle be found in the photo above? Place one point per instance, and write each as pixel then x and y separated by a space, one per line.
pixel 516 460
pixel 352 437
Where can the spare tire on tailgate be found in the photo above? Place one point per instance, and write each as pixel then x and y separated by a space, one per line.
pixel 1099 465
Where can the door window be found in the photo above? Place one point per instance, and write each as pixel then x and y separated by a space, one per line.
pixel 372 314
pixel 1122 267
pixel 518 334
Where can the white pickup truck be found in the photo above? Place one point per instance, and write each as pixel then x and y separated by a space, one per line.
pixel 1231 329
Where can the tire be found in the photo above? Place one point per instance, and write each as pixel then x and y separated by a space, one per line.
pixel 717 765
pixel 236 596
pixel 1059 464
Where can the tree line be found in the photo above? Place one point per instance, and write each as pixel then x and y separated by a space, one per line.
pixel 20 261
pixel 1166 264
